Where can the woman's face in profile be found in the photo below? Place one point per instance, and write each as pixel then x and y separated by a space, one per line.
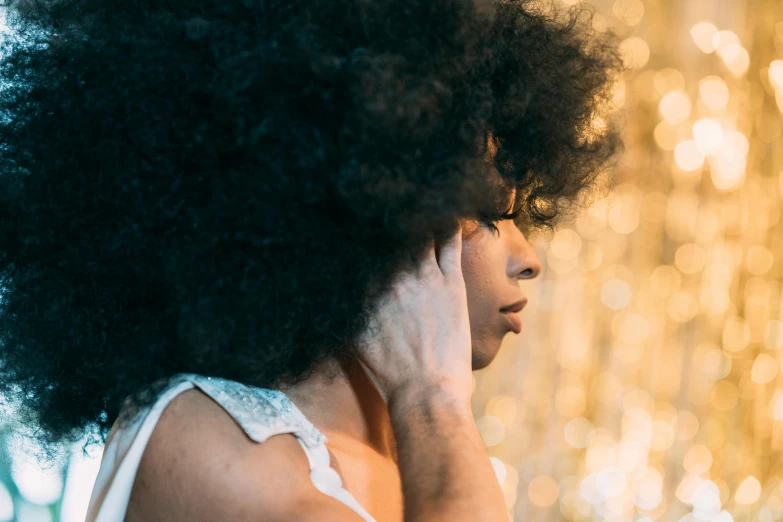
pixel 493 263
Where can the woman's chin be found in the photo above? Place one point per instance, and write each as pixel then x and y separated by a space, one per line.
pixel 483 355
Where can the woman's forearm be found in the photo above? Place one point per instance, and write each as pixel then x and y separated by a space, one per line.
pixel 445 469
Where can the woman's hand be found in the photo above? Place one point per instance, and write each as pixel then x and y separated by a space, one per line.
pixel 419 337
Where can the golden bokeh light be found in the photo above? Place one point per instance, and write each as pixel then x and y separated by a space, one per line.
pixel 662 436
pixel 759 259
pixel 630 12
pixel 504 408
pixel 491 429
pixel 666 135
pixel 616 294
pixel 579 432
pixel 686 426
pixel 675 107
pixel 725 38
pixel 773 335
pixel 702 34
pixel 682 306
pixel 630 327
pixel 624 214
pixel 736 58
pixel 708 135
pixel 736 335
pixel 665 280
pixel 566 244
pixel 748 491
pixel 765 368
pixel 728 164
pixel 776 73
pixel 635 52
pixel 776 406
pixel 501 470
pixel 648 494
pixel 690 258
pixel 714 92
pixel 510 486
pixel 697 460
pixel 716 365
pixel 543 491
pixel 688 155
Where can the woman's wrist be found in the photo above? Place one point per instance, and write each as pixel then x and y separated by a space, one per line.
pixel 423 397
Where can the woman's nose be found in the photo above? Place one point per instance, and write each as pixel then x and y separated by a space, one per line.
pixel 528 263
pixel 531 267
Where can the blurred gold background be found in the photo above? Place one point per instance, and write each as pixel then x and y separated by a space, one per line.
pixel 646 384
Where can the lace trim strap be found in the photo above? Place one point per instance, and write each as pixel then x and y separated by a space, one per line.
pixel 260 412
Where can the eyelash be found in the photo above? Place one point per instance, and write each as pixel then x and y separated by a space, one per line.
pixel 491 225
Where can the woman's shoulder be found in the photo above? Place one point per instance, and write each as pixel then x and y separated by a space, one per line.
pixel 198 466
pixel 212 449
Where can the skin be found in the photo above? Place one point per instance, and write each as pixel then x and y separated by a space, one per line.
pixel 341 401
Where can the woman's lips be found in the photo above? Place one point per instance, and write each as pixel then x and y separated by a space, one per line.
pixel 514 321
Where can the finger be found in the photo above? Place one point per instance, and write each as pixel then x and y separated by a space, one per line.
pixel 429 263
pixel 423 265
pixel 451 253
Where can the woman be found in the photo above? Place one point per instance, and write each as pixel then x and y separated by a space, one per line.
pixel 233 231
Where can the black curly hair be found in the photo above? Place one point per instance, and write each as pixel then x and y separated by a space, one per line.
pixel 225 187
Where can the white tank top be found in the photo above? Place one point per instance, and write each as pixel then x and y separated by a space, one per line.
pixel 260 412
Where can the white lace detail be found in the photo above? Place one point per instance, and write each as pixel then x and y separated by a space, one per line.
pixel 260 412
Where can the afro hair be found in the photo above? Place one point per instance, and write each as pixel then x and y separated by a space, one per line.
pixel 225 187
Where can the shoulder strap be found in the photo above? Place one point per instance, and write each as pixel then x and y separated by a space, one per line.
pixel 260 412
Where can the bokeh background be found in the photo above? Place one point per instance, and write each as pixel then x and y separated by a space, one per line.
pixel 647 383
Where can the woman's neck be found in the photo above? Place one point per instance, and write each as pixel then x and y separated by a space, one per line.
pixel 343 404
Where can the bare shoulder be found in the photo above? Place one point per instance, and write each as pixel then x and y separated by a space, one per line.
pixel 200 465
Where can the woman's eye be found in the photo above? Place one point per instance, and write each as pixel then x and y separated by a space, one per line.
pixel 491 225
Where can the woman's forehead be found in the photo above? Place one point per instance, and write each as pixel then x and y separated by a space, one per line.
pixel 492 149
